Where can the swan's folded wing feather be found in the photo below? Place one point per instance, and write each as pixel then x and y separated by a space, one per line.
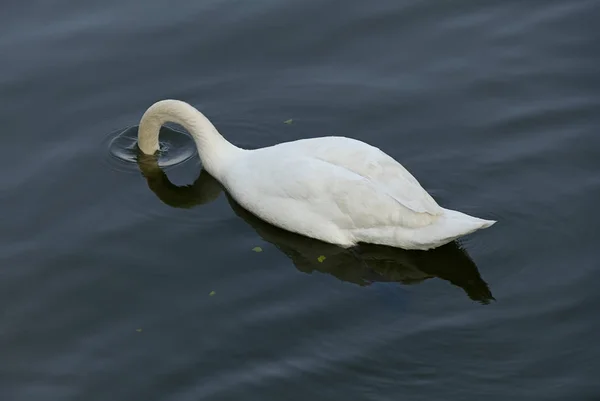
pixel 371 205
pixel 401 185
pixel 319 189
pixel 378 167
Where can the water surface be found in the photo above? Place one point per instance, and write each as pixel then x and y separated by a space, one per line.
pixel 108 266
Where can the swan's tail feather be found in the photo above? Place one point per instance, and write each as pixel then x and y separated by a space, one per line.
pixel 450 226
pixel 454 224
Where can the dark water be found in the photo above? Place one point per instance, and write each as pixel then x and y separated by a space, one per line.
pixel 107 274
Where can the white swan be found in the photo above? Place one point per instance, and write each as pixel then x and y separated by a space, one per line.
pixel 335 189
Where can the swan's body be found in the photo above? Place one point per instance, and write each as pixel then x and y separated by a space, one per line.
pixel 335 189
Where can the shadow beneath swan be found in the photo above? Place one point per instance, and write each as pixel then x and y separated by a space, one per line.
pixel 361 265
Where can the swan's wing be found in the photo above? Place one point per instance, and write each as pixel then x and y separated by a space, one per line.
pixel 375 165
pixel 297 191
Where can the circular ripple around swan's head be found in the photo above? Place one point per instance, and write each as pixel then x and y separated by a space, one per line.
pixel 176 147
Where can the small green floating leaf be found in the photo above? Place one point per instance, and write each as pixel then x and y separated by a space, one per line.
pixel 321 258
pixel 138 330
pixel 257 249
pixel 288 122
pixel 211 293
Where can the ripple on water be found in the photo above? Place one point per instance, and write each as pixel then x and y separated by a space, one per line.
pixel 176 147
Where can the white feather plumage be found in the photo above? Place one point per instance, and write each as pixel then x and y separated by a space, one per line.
pixel 335 189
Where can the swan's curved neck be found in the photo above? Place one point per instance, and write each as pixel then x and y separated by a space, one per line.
pixel 214 150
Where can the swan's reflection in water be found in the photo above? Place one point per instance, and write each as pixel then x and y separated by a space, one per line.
pixel 361 265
